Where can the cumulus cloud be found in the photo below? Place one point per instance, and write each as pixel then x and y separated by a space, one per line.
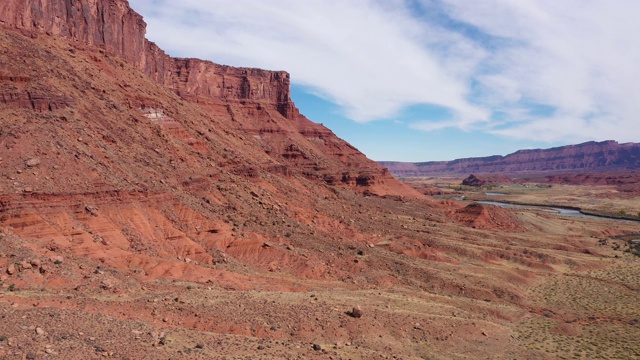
pixel 530 69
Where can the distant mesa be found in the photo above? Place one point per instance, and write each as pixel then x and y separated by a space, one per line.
pixel 605 156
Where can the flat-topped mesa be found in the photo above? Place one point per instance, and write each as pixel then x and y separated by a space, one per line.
pixel 590 156
pixel 256 101
pixel 114 26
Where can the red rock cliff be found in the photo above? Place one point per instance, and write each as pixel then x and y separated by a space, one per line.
pixel 108 23
pixel 590 156
pixel 113 25
pixel 257 101
pixel 194 78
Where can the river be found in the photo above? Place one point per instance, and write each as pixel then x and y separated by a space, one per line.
pixel 554 210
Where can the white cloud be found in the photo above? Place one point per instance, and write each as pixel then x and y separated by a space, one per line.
pixel 371 58
pixel 493 63
pixel 576 56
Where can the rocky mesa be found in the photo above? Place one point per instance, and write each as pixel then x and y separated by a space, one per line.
pixel 605 156
pixel 243 94
pixel 112 25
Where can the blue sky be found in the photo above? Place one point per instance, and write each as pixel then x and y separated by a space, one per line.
pixel 422 80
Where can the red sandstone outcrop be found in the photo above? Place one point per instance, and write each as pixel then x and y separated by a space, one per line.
pixel 192 78
pixel 488 217
pixel 110 24
pixel 114 26
pixel 603 156
pixel 487 179
pixel 257 101
pixel 473 180
pixel 195 165
pixel 37 102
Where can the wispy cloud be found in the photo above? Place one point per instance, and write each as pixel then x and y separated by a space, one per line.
pixel 576 57
pixel 493 63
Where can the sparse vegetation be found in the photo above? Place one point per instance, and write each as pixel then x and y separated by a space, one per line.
pixel 589 324
pixel 634 247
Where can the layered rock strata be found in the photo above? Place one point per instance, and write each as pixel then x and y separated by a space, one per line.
pixel 603 156
pixel 257 101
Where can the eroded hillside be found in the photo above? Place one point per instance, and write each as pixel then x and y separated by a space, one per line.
pixel 153 207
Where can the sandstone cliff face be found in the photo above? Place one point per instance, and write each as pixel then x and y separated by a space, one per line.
pixel 258 101
pixel 170 175
pixel 37 102
pixel 194 78
pixel 207 163
pixel 487 179
pixel 590 156
pixel 114 26
pixel 108 23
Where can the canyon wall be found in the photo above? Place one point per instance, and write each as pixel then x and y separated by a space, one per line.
pixel 253 101
pixel 590 156
pixel 114 26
